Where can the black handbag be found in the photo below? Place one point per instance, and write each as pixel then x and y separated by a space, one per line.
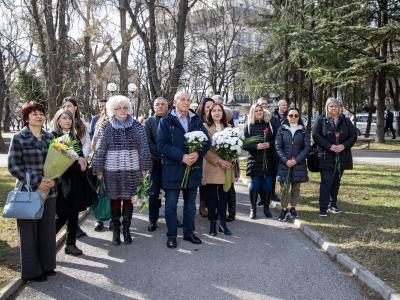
pixel 312 159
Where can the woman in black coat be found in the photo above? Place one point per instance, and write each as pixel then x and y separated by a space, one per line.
pixel 292 145
pixel 261 161
pixel 334 135
pixel 73 187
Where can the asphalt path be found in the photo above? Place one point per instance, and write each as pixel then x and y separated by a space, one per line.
pixel 263 259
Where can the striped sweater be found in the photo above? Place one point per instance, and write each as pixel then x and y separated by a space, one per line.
pixel 122 154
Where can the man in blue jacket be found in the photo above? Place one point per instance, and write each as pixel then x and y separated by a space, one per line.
pixel 171 143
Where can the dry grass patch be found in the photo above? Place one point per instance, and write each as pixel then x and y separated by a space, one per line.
pixel 9 240
pixel 389 145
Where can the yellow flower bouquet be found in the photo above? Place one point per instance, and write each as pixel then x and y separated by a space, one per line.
pixel 62 153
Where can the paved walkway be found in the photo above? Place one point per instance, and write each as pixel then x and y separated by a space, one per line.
pixel 263 259
pixel 376 157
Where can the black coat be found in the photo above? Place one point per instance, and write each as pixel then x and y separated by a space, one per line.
pixel 288 145
pixel 74 192
pixel 323 133
pixel 254 166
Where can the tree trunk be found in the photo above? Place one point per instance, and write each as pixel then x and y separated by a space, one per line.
pixel 180 49
pixel 2 98
pixel 396 99
pixel 125 42
pixel 310 104
pixel 372 91
pixel 87 51
pixel 383 53
pixel 7 114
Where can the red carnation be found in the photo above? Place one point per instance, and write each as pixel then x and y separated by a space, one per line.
pixel 266 130
pixel 293 157
pixel 338 133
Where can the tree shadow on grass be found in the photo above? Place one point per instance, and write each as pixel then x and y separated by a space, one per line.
pixel 9 256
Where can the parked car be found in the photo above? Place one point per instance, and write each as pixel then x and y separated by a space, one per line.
pixel 362 121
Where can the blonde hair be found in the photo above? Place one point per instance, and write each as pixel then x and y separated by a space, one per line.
pixel 113 103
pixel 252 119
pixel 54 122
pixel 332 100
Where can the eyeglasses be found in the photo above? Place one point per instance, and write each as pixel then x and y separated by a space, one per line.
pixel 293 116
pixel 122 108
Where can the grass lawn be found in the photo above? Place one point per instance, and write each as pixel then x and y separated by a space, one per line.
pixel 9 241
pixel 369 230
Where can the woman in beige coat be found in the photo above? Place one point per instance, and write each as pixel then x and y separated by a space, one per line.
pixel 214 173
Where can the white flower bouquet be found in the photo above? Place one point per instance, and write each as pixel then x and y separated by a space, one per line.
pixel 194 142
pixel 228 144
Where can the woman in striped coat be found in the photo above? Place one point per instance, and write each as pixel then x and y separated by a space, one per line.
pixel 122 158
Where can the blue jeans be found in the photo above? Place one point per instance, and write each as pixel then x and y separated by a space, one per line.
pixel 258 183
pixel 329 188
pixel 155 187
pixel 189 210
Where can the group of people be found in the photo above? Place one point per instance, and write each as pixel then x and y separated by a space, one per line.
pixel 124 150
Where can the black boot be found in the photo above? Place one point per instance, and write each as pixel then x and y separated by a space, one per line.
pixel 126 224
pixel 115 219
pixel 231 204
pixel 262 200
pixel 267 201
pixel 253 203
pixel 213 228
pixel 224 229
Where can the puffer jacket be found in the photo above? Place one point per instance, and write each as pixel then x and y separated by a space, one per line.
pixel 254 166
pixel 323 133
pixel 297 146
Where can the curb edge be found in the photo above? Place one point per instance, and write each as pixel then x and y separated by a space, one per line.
pixel 17 282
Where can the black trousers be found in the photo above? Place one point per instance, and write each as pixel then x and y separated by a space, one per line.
pixel 72 224
pixel 216 202
pixel 329 188
pixel 387 127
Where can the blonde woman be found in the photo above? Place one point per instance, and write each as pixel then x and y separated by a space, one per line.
pixel 261 160
pixel 73 195
pixel 334 134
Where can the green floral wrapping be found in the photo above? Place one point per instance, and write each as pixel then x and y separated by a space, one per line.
pixel 56 163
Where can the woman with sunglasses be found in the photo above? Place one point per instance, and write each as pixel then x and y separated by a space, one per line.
pixel 292 145
pixel 261 160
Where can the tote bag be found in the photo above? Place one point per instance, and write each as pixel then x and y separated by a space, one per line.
pixel 24 204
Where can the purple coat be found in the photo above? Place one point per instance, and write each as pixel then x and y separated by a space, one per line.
pixel 122 154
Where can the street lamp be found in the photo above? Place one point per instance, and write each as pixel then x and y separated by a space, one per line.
pixel 112 87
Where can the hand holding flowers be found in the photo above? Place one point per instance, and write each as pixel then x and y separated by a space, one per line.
pixel 194 142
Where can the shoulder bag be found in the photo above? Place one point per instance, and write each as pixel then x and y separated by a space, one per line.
pixel 312 159
pixel 24 204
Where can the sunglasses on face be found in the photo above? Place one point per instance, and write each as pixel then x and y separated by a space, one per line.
pixel 293 116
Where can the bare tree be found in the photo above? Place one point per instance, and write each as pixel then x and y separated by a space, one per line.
pixel 143 16
pixel 52 40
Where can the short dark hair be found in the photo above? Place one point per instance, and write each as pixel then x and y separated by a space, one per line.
pixel 29 107
pixel 209 119
pixel 300 121
pixel 103 100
